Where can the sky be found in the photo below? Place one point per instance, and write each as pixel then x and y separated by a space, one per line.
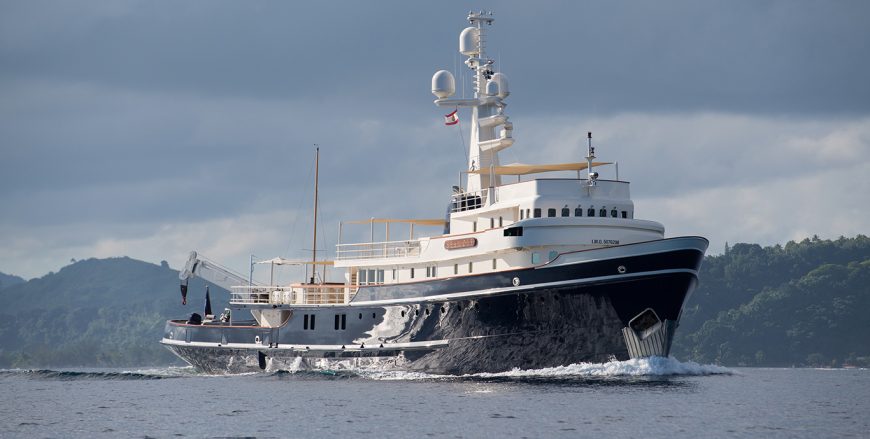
pixel 152 128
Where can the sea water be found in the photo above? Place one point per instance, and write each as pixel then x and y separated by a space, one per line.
pixel 648 398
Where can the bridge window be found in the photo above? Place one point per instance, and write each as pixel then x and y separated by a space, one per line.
pixel 590 211
pixel 566 211
pixel 513 231
pixel 613 212
pixel 578 211
pixel 551 212
pixel 537 212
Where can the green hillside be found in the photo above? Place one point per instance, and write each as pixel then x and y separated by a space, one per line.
pixel 800 304
pixel 95 312
pixel 804 303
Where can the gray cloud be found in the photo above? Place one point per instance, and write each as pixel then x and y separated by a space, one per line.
pixel 124 123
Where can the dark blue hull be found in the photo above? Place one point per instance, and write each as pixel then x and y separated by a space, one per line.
pixel 528 318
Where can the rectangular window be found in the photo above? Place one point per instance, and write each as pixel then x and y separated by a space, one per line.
pixel 521 213
pixel 428 272
pixel 361 277
pixel 305 322
pixel 527 213
pixel 455 268
pixel 500 223
pixel 412 273
pixel 434 271
pixel 578 211
pixel 602 212
pixel 536 258
pixel 380 279
pixel 613 213
pixel 373 279
pixel 337 320
pixel 494 264
pixel 624 214
pixel 537 212
pixel 394 274
pixel 312 321
pixel 492 223
pixel 590 211
pixel 470 267
pixel 474 226
pixel 513 231
pixel 343 322
pixel 566 211
pixel 551 212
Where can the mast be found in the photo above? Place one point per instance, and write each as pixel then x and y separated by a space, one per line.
pixel 316 181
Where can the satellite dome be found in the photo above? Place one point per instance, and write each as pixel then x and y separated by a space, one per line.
pixel 443 84
pixel 501 80
pixel 469 40
pixel 491 88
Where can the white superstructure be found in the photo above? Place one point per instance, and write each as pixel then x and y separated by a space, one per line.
pixel 497 225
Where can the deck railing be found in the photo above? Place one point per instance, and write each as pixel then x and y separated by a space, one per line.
pixel 290 295
pixel 376 250
pixel 469 200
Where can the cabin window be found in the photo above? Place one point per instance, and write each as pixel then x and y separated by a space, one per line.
pixel 312 321
pixel 361 277
pixel 537 212
pixel 578 211
pixel 602 212
pixel 394 274
pixel 474 226
pixel 566 211
pixel 624 214
pixel 551 213
pixel 434 270
pixel 380 279
pixel 513 231
pixel 536 258
pixel 500 222
pixel 492 223
pixel 428 271
pixel 613 213
pixel 527 214
pixel 522 214
pixel 343 322
pixel 337 321
pixel 373 276
pixel 494 264
pixel 305 322
pixel 470 267
pixel 455 268
pixel 590 211
pixel 412 272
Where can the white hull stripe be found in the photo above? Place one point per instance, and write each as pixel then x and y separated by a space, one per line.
pixel 418 345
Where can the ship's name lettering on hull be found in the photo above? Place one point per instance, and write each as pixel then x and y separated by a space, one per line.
pixel 606 241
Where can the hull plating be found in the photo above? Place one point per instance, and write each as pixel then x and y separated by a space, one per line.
pixel 556 323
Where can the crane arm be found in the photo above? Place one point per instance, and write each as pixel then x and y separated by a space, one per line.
pixel 199 266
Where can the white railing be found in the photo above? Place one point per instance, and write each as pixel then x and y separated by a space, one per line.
pixel 290 295
pixel 469 200
pixel 375 250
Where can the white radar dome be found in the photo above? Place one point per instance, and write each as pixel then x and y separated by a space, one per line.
pixel 501 80
pixel 491 88
pixel 469 40
pixel 443 84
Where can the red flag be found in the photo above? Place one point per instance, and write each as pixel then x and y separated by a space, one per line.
pixel 452 118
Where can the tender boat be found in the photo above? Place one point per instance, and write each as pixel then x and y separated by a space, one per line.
pixel 527 271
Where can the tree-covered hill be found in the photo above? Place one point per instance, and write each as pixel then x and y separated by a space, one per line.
pixel 7 280
pixel 95 312
pixel 804 303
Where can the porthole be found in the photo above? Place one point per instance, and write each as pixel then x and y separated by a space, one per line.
pixel 621 269
pixel 516 281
